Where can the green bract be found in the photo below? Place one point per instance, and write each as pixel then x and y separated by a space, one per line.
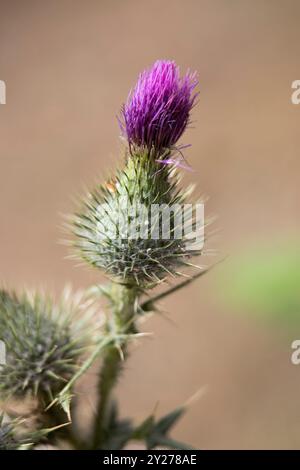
pixel 42 348
pixel 119 227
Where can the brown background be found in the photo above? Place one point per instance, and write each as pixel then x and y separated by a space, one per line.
pixel 68 66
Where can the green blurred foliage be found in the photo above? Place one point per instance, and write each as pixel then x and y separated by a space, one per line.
pixel 264 281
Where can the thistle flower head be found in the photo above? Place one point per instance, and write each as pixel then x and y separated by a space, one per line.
pixel 42 345
pixel 158 108
pixel 115 228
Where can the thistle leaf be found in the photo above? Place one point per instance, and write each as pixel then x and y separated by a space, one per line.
pixel 156 433
pixel 166 423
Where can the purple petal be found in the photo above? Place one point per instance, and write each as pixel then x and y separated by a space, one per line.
pixel 157 110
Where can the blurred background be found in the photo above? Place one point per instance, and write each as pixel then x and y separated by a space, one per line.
pixel 68 66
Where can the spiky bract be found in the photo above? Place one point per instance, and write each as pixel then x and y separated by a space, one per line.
pixel 119 228
pixel 42 346
pixel 10 436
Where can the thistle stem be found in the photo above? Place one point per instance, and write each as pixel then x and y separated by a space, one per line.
pixel 121 322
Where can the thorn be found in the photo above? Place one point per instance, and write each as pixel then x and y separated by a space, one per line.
pixel 196 396
pixel 120 351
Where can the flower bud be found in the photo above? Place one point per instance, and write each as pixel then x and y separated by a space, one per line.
pixel 119 228
pixel 42 347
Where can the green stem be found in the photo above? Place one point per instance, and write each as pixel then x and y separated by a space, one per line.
pixel 120 323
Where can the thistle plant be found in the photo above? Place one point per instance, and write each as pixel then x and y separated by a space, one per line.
pixel 119 228
pixel 9 437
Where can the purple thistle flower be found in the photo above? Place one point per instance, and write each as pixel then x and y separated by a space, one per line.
pixel 157 110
